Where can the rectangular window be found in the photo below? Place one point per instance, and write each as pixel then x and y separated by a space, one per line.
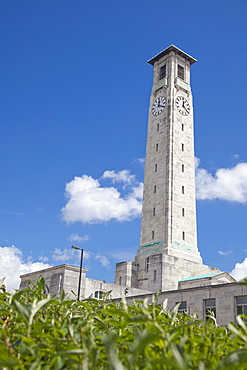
pixel 147 263
pixel 154 275
pixel 120 280
pixel 241 305
pixel 162 72
pixel 155 168
pixel 182 147
pixel 152 234
pixel 154 189
pixel 182 167
pixel 98 294
pixel 209 306
pixel 157 147
pixel 181 72
pixel 183 212
pixel 158 126
pixel 182 127
pixel 154 211
pixel 182 189
pixel 182 307
pixel 183 235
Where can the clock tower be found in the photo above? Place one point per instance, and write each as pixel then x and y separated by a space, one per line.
pixel 168 249
pixel 169 210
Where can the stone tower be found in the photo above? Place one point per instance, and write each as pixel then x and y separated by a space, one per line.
pixel 168 248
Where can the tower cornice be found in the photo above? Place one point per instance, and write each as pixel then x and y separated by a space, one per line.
pixel 170 49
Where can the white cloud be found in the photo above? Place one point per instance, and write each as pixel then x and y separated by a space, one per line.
pixel 141 161
pixel 137 192
pixel 103 260
pixel 68 254
pixel 12 266
pixel 226 253
pixel 13 213
pixel 89 202
pixel 227 184
pixel 65 254
pixel 121 176
pixel 123 256
pixel 77 238
pixel 43 259
pixel 240 270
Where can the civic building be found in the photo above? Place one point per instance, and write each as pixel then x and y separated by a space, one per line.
pixel 168 259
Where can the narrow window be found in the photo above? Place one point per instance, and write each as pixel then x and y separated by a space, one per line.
pixel 183 212
pixel 181 72
pixel 154 275
pixel 209 307
pixel 157 147
pixel 182 189
pixel 183 235
pixel 152 234
pixel 158 126
pixel 147 263
pixel 155 168
pixel 154 211
pixel 182 167
pixel 120 280
pixel 154 189
pixel 241 305
pixel 182 127
pixel 162 72
pixel 182 147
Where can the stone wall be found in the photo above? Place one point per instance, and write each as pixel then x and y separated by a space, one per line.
pixel 66 278
pixel 224 294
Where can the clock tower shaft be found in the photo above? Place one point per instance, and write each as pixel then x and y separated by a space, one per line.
pixel 169 207
pixel 168 248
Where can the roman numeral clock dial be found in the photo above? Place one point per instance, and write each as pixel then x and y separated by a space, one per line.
pixel 158 105
pixel 183 105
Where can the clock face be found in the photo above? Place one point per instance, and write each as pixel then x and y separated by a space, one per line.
pixel 183 105
pixel 158 105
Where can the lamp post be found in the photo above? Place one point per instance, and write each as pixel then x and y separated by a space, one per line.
pixel 79 284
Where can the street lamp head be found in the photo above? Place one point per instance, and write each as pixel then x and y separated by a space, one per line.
pixel 75 247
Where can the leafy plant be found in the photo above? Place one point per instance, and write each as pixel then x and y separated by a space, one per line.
pixel 43 332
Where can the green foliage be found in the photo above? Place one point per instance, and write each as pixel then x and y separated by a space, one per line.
pixel 40 332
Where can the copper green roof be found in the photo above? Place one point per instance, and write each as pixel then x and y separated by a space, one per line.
pixel 200 276
pixel 168 50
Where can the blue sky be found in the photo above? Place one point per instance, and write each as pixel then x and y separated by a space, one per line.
pixel 75 90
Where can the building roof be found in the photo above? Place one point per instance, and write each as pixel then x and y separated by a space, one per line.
pixel 168 50
pixel 63 266
pixel 201 276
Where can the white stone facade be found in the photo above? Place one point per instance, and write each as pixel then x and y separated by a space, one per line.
pixel 224 297
pixel 168 248
pixel 66 278
pixel 170 159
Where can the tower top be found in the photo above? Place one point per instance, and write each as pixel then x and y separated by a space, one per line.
pixel 168 50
